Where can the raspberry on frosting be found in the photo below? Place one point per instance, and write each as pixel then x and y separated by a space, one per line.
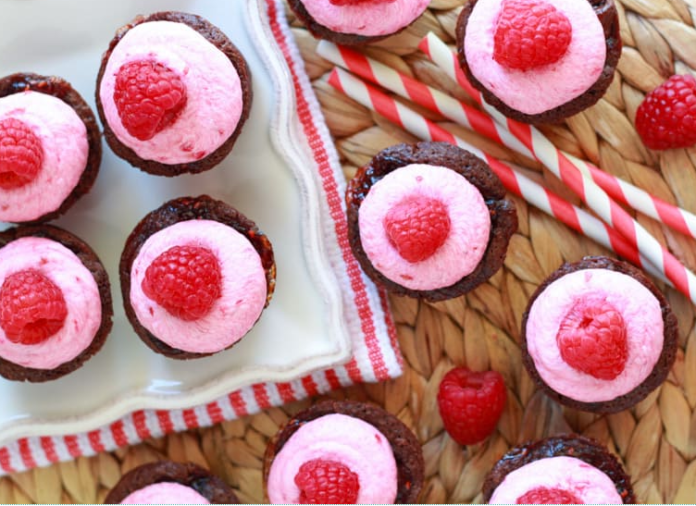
pixel 327 482
pixel 32 307
pixel 149 97
pixel 184 280
pixel 546 495
pixel 417 227
pixel 530 34
pixel 21 153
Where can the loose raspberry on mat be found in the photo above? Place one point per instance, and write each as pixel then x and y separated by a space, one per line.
pixel 592 339
pixel 184 280
pixel 667 116
pixel 327 482
pixel 417 227
pixel 471 404
pixel 149 97
pixel 544 495
pixel 530 34
pixel 21 154
pixel 32 307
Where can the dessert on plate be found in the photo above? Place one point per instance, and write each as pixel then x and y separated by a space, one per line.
pixel 50 147
pixel 539 61
pixel 168 482
pixel 343 452
pixel 567 469
pixel 196 275
pixel 55 303
pixel 354 22
pixel 598 335
pixel 172 93
pixel 429 220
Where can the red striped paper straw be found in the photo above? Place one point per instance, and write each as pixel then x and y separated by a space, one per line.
pixel 512 179
pixel 470 117
pixel 576 179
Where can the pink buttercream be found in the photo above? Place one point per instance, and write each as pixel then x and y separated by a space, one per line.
pixel 213 89
pixel 80 291
pixel 340 438
pixel 541 89
pixel 644 332
pixel 165 493
pixel 242 299
pixel 583 480
pixel 371 18
pixel 63 136
pixel 464 246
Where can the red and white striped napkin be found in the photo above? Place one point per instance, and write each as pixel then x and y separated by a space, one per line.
pixel 375 351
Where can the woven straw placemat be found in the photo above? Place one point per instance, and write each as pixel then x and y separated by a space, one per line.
pixel 656 440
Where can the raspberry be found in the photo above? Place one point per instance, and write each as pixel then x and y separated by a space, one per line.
pixel 21 154
pixel 530 34
pixel 471 403
pixel 592 339
pixel 32 307
pixel 360 2
pixel 667 116
pixel 543 495
pixel 417 227
pixel 184 280
pixel 327 482
pixel 149 97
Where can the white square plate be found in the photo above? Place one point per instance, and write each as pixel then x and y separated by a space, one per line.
pixel 303 328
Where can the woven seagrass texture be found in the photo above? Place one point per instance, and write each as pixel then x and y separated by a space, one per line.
pixel 656 440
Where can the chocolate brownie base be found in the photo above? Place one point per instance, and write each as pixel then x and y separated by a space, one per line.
pixel 190 475
pixel 184 209
pixel 407 450
pixel 475 170
pixel 579 447
pixel 216 37
pixel 322 32
pixel 59 88
pixel 608 17
pixel 664 362
pixel 91 261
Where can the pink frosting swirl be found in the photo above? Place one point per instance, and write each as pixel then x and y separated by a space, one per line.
pixel 469 229
pixel 340 438
pixel 213 91
pixel 165 493
pixel 644 332
pixel 63 137
pixel 537 90
pixel 243 296
pixel 583 480
pixel 80 291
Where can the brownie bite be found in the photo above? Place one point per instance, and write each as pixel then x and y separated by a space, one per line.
pixel 173 93
pixel 167 482
pixel 51 149
pixel 598 335
pixel 565 469
pixel 326 438
pixel 567 69
pixel 196 275
pixel 55 303
pixel 429 220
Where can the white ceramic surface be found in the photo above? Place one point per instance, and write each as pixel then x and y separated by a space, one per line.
pixel 303 328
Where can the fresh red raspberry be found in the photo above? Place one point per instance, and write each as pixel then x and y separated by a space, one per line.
pixel 21 154
pixel 360 2
pixel 543 495
pixel 592 339
pixel 149 97
pixel 417 227
pixel 32 307
pixel 327 482
pixel 667 116
pixel 530 34
pixel 184 280
pixel 471 403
